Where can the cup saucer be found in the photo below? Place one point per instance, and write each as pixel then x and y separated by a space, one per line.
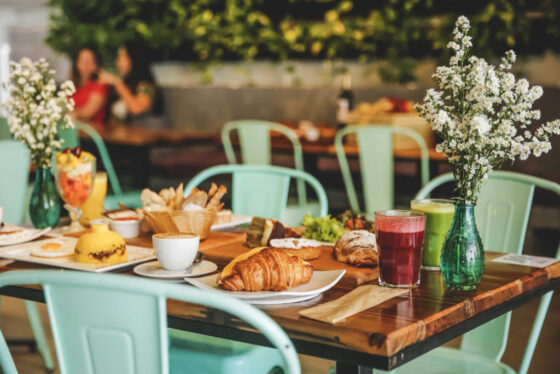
pixel 153 269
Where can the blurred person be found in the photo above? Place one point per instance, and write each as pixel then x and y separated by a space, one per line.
pixel 135 93
pixel 91 95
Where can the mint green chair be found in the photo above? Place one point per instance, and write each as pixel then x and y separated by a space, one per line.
pixel 114 324
pixel 257 190
pixel 14 169
pixel 375 144
pixel 261 190
pixel 254 141
pixel 502 214
pixel 71 139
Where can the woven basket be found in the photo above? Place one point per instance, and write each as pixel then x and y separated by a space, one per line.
pixel 196 222
pixel 161 222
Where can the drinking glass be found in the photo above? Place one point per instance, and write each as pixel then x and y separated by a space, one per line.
pixel 400 238
pixel 439 215
pixel 74 180
pixel 92 208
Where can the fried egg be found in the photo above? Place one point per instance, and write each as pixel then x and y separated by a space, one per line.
pixel 53 248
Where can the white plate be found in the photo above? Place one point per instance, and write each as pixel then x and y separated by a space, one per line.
pixel 319 283
pixel 22 252
pixel 235 221
pixel 153 269
pixel 280 300
pixel 21 236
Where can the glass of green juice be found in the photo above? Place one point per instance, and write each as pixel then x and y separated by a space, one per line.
pixel 439 214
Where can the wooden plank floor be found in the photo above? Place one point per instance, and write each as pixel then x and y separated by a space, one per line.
pixel 546 360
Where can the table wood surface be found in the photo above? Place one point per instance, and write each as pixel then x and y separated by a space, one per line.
pixel 145 137
pixel 324 146
pixel 383 330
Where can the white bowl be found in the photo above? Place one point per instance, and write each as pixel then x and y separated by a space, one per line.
pixel 125 228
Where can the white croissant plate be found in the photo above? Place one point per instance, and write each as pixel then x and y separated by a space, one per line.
pixel 280 300
pixel 319 283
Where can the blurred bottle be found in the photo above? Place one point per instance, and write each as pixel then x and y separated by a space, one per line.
pixel 346 101
pixel 93 206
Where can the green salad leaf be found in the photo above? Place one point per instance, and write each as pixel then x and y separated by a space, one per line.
pixel 323 229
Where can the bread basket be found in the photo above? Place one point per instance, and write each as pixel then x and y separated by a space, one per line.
pixel 196 222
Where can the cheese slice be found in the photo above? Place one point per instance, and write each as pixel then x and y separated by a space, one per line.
pixel 229 267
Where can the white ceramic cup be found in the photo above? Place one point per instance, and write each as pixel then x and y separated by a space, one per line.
pixel 175 252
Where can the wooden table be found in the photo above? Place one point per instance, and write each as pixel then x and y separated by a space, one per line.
pixel 383 337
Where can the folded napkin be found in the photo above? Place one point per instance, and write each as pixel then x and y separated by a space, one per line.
pixel 362 298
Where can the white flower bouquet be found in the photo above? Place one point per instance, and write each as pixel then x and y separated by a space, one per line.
pixel 36 107
pixel 482 114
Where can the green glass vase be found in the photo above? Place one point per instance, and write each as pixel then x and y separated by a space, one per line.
pixel 44 204
pixel 462 255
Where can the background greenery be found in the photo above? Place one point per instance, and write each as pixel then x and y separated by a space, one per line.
pixel 397 31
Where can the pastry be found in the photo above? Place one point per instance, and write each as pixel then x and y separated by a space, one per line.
pixel 101 247
pixel 357 248
pixel 263 230
pixel 306 249
pixel 265 269
pixel 223 216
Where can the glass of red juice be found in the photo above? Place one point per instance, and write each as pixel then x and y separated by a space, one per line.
pixel 400 238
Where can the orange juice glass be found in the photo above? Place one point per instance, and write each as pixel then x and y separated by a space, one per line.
pixel 93 206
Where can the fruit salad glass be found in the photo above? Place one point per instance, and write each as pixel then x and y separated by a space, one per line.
pixel 74 172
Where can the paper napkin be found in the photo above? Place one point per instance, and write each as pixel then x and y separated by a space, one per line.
pixel 362 298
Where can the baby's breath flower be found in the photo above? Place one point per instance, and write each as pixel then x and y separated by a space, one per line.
pixel 36 107
pixel 482 114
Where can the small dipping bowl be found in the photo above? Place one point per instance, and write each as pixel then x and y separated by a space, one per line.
pixel 125 223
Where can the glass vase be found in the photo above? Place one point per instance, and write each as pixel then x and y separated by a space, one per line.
pixel 44 205
pixel 462 256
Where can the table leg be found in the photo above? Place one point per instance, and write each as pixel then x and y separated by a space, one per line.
pixel 141 156
pixel 434 168
pixel 311 163
pixel 344 368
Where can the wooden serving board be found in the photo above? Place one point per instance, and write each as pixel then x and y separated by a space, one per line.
pixel 223 254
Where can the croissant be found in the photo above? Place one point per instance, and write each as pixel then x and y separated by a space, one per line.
pixel 271 269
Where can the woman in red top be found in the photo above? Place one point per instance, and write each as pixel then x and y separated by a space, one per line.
pixel 90 96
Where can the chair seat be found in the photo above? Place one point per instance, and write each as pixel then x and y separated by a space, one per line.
pixel 200 354
pixel 130 199
pixel 445 360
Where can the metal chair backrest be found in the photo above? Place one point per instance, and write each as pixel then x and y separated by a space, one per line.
pixel 72 139
pixel 254 141
pixel 502 215
pixel 375 145
pixel 109 323
pixel 14 174
pixel 261 190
